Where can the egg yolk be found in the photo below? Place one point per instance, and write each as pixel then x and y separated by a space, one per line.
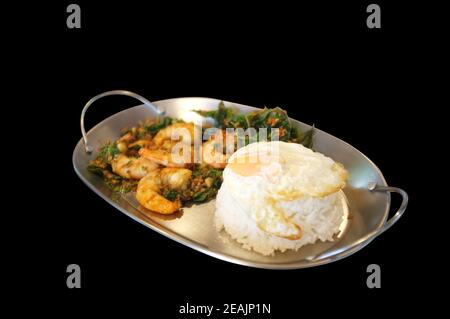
pixel 248 165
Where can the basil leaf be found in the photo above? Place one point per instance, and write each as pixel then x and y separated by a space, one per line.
pixel 155 128
pixel 95 170
pixel 171 194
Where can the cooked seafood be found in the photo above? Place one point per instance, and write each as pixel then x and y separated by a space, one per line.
pixel 158 153
pixel 151 188
pixel 178 131
pixel 212 154
pixel 181 157
pixel 132 167
pixel 140 144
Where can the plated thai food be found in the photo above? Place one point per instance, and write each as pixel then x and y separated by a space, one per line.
pixel 254 187
pixel 274 192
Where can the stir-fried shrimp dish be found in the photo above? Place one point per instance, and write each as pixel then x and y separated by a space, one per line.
pixel 167 166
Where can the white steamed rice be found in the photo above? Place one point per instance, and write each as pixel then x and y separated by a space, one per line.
pixel 320 219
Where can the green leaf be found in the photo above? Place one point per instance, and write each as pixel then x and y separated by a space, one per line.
pixel 124 132
pixel 113 150
pixel 217 183
pixel 196 173
pixel 223 116
pixel 95 170
pixel 306 138
pixel 107 152
pixel 155 128
pixel 212 114
pixel 171 194
pixel 203 195
pixel 294 132
pixel 266 118
pixel 214 173
pixel 258 118
pixel 237 121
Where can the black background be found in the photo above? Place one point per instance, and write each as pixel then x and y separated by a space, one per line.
pixel 318 61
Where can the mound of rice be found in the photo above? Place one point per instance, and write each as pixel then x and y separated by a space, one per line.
pixel 320 218
pixel 285 190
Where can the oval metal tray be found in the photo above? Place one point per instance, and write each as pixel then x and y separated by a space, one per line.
pixel 367 193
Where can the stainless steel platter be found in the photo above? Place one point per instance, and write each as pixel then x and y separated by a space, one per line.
pixel 367 193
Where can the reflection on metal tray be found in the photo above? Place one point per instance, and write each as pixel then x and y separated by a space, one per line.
pixel 367 193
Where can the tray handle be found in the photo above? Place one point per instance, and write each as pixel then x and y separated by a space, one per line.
pixel 373 187
pixel 87 147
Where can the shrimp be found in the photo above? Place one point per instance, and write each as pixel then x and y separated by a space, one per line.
pixel 212 156
pixel 127 138
pixel 122 143
pixel 169 158
pixel 140 143
pixel 129 141
pixel 183 130
pixel 212 151
pixel 168 145
pixel 150 187
pixel 132 167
